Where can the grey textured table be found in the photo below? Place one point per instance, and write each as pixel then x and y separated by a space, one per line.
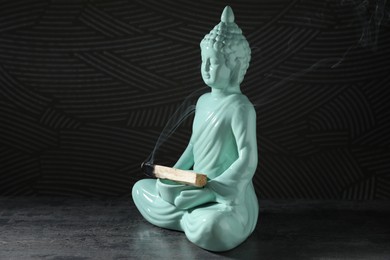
pixel 63 228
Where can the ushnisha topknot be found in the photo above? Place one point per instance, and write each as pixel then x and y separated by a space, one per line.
pixel 227 38
pixel 227 15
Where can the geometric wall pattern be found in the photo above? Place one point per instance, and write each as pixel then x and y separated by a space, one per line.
pixel 86 87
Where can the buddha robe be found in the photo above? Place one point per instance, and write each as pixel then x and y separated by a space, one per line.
pixel 223 145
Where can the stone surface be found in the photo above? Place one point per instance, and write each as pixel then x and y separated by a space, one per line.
pixel 64 228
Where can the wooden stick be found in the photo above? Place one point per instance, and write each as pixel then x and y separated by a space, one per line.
pixel 181 176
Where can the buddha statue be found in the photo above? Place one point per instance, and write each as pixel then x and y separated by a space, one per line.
pixel 222 214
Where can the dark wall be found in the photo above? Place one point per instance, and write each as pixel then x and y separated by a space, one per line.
pixel 86 87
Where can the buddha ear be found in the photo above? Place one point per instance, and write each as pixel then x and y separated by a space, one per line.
pixel 235 75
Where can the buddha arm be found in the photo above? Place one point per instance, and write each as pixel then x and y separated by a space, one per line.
pixel 242 170
pixel 186 160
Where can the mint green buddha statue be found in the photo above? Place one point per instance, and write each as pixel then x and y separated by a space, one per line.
pixel 222 214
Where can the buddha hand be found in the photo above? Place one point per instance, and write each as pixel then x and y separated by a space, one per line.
pixel 191 198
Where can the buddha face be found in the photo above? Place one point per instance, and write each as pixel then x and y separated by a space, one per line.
pixel 215 73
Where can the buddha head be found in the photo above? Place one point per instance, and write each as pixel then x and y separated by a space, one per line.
pixel 225 54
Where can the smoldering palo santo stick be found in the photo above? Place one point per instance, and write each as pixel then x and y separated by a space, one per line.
pixel 181 176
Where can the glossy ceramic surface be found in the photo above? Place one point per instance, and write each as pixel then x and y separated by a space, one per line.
pixel 223 145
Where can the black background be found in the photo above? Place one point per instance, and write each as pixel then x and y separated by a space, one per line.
pixel 86 87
